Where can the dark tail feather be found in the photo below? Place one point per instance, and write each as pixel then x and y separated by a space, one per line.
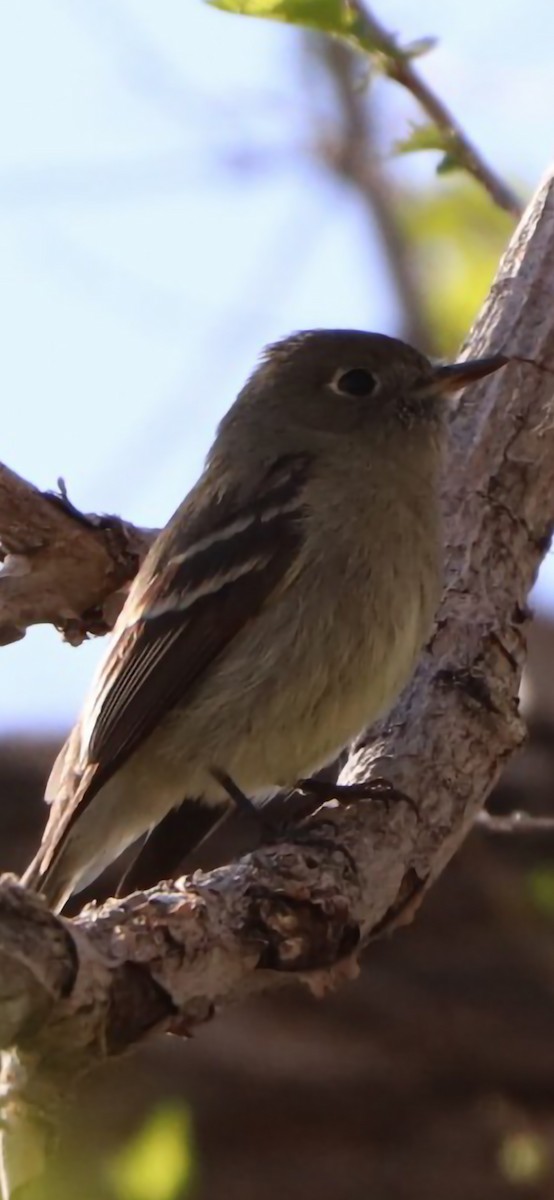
pixel 164 851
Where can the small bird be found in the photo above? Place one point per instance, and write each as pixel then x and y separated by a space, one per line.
pixel 280 611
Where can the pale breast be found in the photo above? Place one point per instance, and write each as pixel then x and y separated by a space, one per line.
pixel 331 653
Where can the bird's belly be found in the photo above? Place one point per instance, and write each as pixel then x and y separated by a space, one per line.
pixel 311 727
pixel 272 717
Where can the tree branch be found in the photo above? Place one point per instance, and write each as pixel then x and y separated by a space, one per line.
pixel 61 566
pixel 77 991
pixel 73 993
pixel 515 822
pixel 397 65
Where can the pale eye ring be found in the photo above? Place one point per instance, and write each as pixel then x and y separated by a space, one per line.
pixel 355 381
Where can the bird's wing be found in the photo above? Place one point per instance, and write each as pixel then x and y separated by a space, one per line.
pixel 204 580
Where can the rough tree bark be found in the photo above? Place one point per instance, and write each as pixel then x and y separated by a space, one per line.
pixel 61 566
pixel 74 992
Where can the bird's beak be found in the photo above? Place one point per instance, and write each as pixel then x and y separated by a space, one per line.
pixel 457 375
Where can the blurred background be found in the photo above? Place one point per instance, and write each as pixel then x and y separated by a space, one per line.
pixel 177 187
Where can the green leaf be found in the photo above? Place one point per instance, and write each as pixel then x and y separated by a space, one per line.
pixel 448 164
pixel 431 137
pixel 423 137
pixel 158 1163
pixel 343 18
pixel 328 16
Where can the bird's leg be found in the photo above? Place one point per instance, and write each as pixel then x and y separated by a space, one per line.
pixel 241 801
pixel 244 804
pixel 270 828
pixel 322 790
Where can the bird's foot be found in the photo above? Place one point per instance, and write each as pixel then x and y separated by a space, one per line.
pixel 378 789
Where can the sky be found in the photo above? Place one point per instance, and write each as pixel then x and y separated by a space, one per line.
pixel 152 167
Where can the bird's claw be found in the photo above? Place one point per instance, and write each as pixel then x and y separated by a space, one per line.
pixel 378 789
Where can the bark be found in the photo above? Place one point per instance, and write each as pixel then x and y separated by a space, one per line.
pixel 61 566
pixel 74 992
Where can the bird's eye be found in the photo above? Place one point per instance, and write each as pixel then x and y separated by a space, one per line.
pixel 355 382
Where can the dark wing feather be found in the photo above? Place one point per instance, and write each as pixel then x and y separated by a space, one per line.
pixel 201 586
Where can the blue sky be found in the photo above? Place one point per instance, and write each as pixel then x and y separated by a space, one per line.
pixel 151 171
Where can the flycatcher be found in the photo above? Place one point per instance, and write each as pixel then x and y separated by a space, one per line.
pixel 280 611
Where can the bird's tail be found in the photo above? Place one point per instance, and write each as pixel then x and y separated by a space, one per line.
pixel 51 881
pixel 165 849
pixel 160 856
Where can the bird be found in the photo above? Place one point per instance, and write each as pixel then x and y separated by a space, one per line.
pixel 278 614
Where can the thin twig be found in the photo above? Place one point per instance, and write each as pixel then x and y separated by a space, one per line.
pixel 514 822
pixel 398 65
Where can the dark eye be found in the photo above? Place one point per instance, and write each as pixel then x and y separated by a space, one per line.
pixel 355 382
